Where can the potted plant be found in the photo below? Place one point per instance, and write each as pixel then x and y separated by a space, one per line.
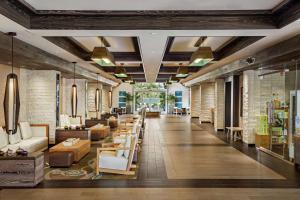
pixel 171 102
pixel 129 100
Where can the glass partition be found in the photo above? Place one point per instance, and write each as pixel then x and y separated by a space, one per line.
pixel 278 108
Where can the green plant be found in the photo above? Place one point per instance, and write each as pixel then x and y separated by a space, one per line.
pixel 129 97
pixel 171 99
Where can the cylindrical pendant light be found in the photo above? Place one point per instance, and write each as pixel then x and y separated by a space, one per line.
pixel 74 98
pixel 110 98
pixel 97 98
pixel 11 101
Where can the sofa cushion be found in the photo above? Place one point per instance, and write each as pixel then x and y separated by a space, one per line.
pixel 119 139
pixel 120 152
pixel 26 131
pixel 12 147
pixel 109 160
pixel 34 144
pixel 3 138
pixel 15 138
pixel 127 145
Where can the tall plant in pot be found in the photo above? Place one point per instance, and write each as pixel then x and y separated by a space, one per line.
pixel 129 100
pixel 171 102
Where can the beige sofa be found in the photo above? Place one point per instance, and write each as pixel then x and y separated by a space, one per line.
pixel 30 137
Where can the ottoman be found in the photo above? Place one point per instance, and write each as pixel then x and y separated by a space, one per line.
pixel 61 159
pixel 113 123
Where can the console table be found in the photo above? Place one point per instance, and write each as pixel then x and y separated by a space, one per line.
pixel 61 135
pixel 22 171
pixel 92 122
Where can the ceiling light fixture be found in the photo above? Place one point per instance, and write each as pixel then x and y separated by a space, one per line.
pixel 128 79
pixel 201 57
pixel 102 56
pixel 74 98
pixel 182 71
pixel 173 79
pixel 120 72
pixel 11 101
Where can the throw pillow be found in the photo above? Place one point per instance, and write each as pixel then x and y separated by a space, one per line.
pixel 3 138
pixel 26 131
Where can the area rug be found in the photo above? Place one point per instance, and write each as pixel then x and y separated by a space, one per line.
pixel 84 170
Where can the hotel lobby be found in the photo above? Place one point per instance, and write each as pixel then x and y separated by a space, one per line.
pixel 139 99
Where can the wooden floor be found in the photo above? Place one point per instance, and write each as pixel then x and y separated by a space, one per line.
pixel 182 159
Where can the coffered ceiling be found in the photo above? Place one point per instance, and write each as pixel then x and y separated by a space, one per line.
pixel 149 38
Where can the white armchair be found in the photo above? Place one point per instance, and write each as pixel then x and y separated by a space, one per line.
pixel 117 160
pixel 66 120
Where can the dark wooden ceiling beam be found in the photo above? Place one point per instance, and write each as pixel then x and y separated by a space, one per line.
pixel 75 49
pixel 70 46
pixel 235 45
pixel 172 70
pixel 31 57
pixel 287 12
pixel 16 11
pixel 200 41
pixel 161 20
pixel 127 68
pixel 169 44
pixel 21 12
pixel 177 56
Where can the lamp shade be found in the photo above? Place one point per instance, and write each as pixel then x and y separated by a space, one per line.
pixel 182 72
pixel 120 72
pixel 102 56
pixel 74 100
pixel 173 79
pixel 201 57
pixel 11 103
pixel 110 99
pixel 128 79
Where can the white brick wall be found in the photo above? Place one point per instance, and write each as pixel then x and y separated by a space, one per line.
pixel 39 95
pixel 91 90
pixel 122 87
pixel 251 99
pixel 219 104
pixel 66 97
pixel 207 102
pixel 105 97
pixel 195 101
pixel 185 93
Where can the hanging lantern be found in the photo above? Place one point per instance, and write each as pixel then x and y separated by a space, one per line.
pixel 97 98
pixel 11 101
pixel 74 98
pixel 110 98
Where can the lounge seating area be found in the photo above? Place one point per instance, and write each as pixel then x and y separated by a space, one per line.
pixel 29 137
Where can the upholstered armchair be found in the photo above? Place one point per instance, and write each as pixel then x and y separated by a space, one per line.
pixel 117 159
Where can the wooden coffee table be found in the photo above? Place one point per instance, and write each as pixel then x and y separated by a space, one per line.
pixel 80 149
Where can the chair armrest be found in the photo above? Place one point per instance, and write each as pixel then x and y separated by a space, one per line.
pixel 105 145
pixel 40 130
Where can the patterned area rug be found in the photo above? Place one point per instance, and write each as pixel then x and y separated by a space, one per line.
pixel 84 170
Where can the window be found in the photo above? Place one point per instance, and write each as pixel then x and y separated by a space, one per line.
pixel 178 99
pixel 122 99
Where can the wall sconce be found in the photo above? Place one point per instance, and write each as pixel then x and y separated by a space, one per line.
pixel 97 97
pixel 110 98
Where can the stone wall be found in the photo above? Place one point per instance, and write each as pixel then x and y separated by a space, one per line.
pixel 38 94
pixel 207 102
pixel 66 97
pixel 185 93
pixel 219 104
pixel 195 101
pixel 122 87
